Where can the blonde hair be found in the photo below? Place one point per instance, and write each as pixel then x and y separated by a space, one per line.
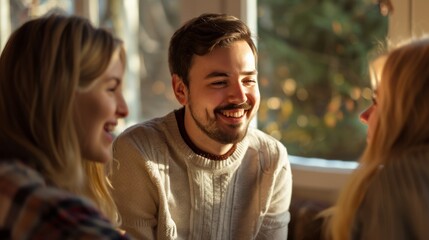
pixel 395 205
pixel 43 64
pixel 403 114
pixel 376 69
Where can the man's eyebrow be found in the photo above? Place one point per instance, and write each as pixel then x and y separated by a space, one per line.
pixel 253 72
pixel 216 74
pixel 224 74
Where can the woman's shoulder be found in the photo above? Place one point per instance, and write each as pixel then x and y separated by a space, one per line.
pixel 38 209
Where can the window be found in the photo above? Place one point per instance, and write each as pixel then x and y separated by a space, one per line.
pixel 313 58
pixel 146 27
pixel 13 13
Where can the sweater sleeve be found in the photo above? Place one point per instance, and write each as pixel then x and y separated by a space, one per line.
pixel 275 221
pixel 138 210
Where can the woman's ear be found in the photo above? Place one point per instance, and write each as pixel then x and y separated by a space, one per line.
pixel 180 89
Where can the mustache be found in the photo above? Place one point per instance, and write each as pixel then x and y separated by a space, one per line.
pixel 244 106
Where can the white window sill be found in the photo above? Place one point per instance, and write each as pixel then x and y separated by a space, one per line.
pixel 319 179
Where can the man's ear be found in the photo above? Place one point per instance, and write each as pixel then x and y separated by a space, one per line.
pixel 180 89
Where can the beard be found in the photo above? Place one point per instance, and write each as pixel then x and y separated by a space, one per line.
pixel 234 133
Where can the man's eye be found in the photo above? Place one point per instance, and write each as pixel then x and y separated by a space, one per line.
pixel 218 83
pixel 374 100
pixel 249 81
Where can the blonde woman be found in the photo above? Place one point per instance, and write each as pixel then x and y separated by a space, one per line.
pixel 60 100
pixel 388 194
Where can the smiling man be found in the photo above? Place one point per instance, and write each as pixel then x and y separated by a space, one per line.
pixel 201 172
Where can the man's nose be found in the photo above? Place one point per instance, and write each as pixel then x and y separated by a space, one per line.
pixel 237 93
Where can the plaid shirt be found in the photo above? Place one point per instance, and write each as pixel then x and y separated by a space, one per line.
pixel 30 209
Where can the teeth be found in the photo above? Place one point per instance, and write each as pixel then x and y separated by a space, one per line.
pixel 235 114
pixel 109 127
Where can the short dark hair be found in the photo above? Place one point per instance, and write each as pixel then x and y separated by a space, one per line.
pixel 200 36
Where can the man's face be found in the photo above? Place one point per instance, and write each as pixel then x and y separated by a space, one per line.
pixel 223 95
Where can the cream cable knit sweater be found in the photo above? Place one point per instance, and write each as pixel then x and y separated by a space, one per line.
pixel 165 191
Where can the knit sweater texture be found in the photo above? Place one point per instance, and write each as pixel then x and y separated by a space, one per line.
pixel 164 190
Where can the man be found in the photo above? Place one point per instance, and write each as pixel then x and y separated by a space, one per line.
pixel 200 172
